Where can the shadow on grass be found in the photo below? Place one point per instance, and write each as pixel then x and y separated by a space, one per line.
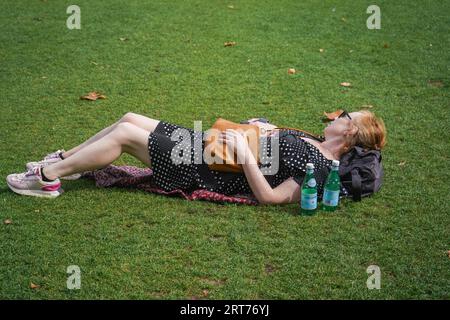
pixel 5 190
pixel 78 185
pixel 88 185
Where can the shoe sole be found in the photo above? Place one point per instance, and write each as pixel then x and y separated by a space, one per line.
pixel 36 193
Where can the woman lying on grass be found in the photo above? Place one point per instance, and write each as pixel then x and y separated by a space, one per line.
pixel 149 141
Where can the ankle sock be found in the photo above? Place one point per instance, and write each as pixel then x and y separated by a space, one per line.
pixel 44 178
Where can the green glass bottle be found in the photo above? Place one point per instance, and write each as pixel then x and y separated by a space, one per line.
pixel 308 202
pixel 332 188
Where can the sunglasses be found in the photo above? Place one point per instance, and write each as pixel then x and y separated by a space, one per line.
pixel 345 114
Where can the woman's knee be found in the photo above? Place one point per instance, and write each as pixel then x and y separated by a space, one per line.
pixel 129 117
pixel 130 135
pixel 123 132
pixel 143 122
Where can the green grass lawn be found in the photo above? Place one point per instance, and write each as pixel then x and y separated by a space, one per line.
pixel 174 66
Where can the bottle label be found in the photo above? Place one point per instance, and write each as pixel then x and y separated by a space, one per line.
pixel 331 198
pixel 309 201
pixel 311 183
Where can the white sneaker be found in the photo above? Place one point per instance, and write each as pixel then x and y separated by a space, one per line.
pixel 30 183
pixel 50 159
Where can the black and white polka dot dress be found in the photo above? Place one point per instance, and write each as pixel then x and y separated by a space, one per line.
pixel 189 175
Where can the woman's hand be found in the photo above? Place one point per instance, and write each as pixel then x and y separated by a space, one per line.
pixel 236 142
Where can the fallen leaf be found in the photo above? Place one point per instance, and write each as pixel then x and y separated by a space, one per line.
pixel 346 84
pixel 386 46
pixel 43 77
pixel 123 39
pixel 7 221
pixel 333 115
pixel 92 96
pixel 34 286
pixel 436 83
pixel 367 106
pixel 350 51
pixel 344 19
pixel 229 44
pixel 321 50
pixel 269 268
pixel 401 164
pixel 205 292
pixel 291 71
pixel 231 7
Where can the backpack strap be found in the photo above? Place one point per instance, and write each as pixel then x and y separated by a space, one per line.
pixel 306 133
pixel 356 185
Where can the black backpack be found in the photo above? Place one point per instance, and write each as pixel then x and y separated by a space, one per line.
pixel 361 172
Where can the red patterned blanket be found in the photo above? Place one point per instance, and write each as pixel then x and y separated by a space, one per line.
pixel 138 178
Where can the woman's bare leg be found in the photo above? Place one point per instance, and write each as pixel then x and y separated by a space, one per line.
pixel 123 137
pixel 138 120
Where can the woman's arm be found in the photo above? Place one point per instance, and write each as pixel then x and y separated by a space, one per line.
pixel 286 192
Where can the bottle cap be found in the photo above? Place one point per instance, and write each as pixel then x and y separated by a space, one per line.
pixel 335 163
pixel 310 166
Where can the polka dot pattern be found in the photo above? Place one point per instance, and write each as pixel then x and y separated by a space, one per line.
pixel 167 174
pixel 294 154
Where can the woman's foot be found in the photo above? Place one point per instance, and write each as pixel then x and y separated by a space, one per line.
pixel 30 183
pixel 50 159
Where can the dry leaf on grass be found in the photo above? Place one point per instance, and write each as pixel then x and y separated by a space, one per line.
pixel 205 292
pixel 291 71
pixel 231 7
pixel 92 96
pixel 269 268
pixel 7 221
pixel 34 286
pixel 229 44
pixel 386 46
pixel 123 39
pixel 346 84
pixel 321 50
pixel 401 164
pixel 367 106
pixel 436 83
pixel 333 115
